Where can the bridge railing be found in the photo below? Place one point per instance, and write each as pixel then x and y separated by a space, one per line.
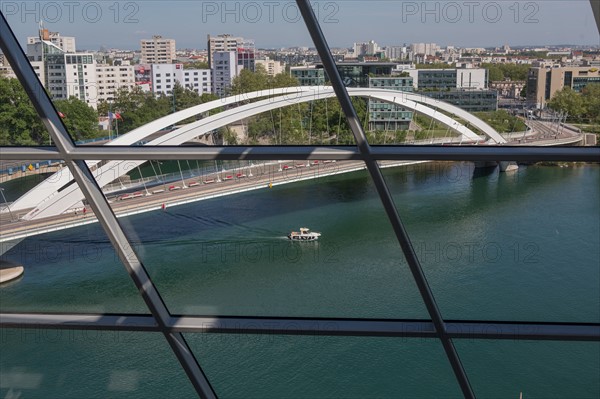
pixel 23 167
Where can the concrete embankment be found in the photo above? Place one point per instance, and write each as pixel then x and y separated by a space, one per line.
pixel 10 271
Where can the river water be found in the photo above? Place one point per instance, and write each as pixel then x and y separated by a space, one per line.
pixel 520 246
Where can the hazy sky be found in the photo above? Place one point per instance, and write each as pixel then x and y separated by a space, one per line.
pixel 277 24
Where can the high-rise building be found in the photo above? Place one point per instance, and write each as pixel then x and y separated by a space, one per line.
pixel 367 48
pixel 64 74
pixel 224 71
pixel 112 78
pixel 244 48
pixel 65 43
pixel 158 51
pixel 424 48
pixel 396 52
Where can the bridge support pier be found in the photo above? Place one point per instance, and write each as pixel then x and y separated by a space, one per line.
pixel 485 164
pixel 508 166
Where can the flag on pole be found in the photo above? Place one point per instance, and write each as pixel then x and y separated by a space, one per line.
pixel 114 115
pixel 61 114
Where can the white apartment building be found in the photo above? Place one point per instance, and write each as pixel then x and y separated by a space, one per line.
pixel 164 77
pixel 244 48
pixel 111 78
pixel 158 51
pixel 271 66
pixel 225 70
pixel 424 48
pixel 369 48
pixel 65 43
pixel 396 52
pixel 5 68
pixel 63 74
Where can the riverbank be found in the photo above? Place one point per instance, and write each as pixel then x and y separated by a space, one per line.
pixel 10 271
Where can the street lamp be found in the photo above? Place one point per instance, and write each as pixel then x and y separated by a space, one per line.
pixel 6 202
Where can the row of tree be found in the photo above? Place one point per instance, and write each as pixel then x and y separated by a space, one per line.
pixel 579 107
pixel 499 72
pixel 20 124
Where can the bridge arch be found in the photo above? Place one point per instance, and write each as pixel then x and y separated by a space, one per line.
pixel 58 202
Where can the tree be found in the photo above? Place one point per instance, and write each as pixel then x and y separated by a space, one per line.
pixel 196 65
pixel 19 122
pixel 495 74
pixel 568 101
pixel 591 100
pixel 248 81
pixel 137 108
pixel 523 92
pixel 80 119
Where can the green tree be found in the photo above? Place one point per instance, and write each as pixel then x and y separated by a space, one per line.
pixel 523 92
pixel 495 74
pixel 19 122
pixel 137 108
pixel 80 119
pixel 568 101
pixel 196 65
pixel 591 101
pixel 248 81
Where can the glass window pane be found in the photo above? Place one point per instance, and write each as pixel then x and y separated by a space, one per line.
pixel 522 245
pixel 274 366
pixel 231 255
pixel 71 270
pixel 540 369
pixel 89 364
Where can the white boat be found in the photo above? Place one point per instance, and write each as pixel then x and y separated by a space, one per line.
pixel 304 235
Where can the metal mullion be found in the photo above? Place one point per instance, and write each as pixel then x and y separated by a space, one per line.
pixel 106 217
pixel 109 322
pixel 456 329
pixel 386 198
pixel 100 206
pixel 395 153
pixel 34 89
pixel 29 153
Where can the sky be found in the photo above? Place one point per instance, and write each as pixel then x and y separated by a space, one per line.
pixel 275 24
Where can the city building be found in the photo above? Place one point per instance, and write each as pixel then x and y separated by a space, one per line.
pixel 544 81
pixel 424 48
pixel 64 74
pixel 308 75
pixel 5 68
pixel 165 76
pixel 471 100
pixel 271 66
pixel 112 78
pixel 445 79
pixel 508 88
pixel 396 52
pixel 224 71
pixel 143 76
pixel 366 48
pixel 244 48
pixel 158 51
pixel 386 116
pixel 65 43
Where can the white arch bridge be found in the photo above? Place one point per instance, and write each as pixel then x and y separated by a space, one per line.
pixel 58 193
